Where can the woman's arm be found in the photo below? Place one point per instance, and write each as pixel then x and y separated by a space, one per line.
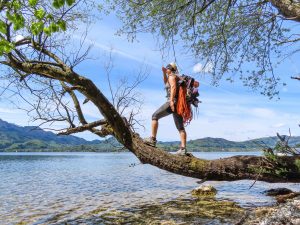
pixel 164 70
pixel 172 82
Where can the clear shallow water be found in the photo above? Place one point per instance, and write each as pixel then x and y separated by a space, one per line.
pixel 50 188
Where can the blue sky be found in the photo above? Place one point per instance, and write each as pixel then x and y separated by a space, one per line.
pixel 228 111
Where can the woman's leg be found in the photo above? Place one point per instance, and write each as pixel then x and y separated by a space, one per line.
pixel 183 138
pixel 180 127
pixel 154 128
pixel 161 112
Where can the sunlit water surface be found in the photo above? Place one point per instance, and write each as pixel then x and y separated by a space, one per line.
pixel 52 188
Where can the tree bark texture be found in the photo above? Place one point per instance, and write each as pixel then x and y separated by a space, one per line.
pixel 290 9
pixel 232 168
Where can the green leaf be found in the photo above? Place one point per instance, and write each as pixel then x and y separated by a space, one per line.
pixel 37 28
pixel 62 25
pixel 16 5
pixel 6 49
pixel 5 46
pixel 55 4
pixel 47 31
pixel 33 3
pixel 40 14
pixel 62 2
pixel 19 22
pixel 9 16
pixel 50 17
pixel 58 3
pixel 2 27
pixel 54 27
pixel 70 2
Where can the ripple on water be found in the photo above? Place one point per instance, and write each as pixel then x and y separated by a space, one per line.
pixel 51 188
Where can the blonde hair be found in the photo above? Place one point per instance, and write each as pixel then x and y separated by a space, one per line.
pixel 172 66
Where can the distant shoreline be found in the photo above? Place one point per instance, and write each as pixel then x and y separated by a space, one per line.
pixel 34 139
pixel 124 152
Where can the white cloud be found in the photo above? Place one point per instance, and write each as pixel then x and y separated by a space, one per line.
pixel 200 68
pixel 279 125
pixel 116 45
pixel 263 112
pixel 19 38
pixel 10 111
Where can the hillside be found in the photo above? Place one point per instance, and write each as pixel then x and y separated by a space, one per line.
pixel 29 138
pixel 219 144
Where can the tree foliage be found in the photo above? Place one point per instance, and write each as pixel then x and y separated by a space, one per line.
pixel 37 19
pixel 240 38
pixel 33 33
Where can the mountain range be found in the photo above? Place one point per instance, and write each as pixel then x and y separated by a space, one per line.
pixel 31 138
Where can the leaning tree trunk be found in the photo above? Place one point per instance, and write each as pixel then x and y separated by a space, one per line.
pixel 233 168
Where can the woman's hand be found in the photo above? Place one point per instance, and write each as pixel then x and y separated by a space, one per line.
pixel 164 70
pixel 196 84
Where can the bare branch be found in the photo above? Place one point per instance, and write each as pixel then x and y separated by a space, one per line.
pixel 84 127
pixel 108 66
pixel 283 145
pixel 80 58
pixel 296 78
pixel 75 101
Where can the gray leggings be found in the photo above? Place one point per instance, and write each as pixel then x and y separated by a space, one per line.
pixel 165 110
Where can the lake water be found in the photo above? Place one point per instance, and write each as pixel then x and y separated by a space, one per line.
pixel 70 188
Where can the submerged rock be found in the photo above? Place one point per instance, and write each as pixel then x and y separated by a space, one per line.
pixel 282 194
pixel 278 191
pixel 178 211
pixel 204 191
pixel 284 198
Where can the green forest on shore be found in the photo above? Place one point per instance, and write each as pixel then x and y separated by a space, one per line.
pixel 34 139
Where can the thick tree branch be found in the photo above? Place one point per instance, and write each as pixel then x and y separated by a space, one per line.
pixel 233 168
pixel 51 55
pixel 41 69
pixel 290 9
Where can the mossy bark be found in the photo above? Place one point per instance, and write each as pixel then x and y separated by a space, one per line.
pixel 230 169
pixel 289 9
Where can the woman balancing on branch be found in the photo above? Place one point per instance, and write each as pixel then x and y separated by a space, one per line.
pixel 176 104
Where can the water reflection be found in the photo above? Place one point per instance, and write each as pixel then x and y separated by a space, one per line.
pixel 47 188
